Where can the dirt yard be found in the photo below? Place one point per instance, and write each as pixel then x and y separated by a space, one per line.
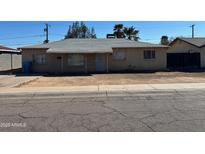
pixel 117 79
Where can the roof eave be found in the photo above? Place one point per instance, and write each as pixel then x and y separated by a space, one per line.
pixel 143 47
pixel 23 48
pixel 183 41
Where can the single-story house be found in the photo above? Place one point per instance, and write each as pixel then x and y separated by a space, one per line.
pixel 94 55
pixel 186 53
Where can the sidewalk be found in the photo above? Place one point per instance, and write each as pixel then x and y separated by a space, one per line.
pixel 108 88
pixel 9 81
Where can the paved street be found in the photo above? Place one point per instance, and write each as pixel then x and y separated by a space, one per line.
pixel 155 110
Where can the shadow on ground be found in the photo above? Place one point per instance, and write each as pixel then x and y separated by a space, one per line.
pixel 18 72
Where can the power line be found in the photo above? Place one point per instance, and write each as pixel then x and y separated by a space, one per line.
pixel 26 43
pixel 28 36
pixel 56 34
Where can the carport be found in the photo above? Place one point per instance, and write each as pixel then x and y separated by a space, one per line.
pixel 183 60
pixel 186 53
pixel 6 50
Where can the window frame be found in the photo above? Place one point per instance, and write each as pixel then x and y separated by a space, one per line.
pixel 119 59
pixel 39 59
pixel 149 54
pixel 70 63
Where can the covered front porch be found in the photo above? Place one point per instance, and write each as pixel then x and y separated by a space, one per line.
pixel 80 62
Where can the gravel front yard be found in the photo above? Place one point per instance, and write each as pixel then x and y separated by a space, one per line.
pixel 118 79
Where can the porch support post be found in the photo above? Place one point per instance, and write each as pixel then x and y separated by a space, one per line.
pixel 61 63
pixel 86 64
pixel 107 60
pixel 11 62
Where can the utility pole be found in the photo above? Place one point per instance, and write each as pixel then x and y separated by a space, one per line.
pixel 46 31
pixel 192 27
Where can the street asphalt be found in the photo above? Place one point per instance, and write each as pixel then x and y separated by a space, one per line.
pixel 113 111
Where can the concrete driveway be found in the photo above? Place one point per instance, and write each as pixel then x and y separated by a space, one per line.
pixel 12 80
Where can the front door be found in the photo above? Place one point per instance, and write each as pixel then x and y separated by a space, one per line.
pixel 100 63
pixel 59 64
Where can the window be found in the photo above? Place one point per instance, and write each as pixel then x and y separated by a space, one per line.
pixel 149 54
pixel 119 55
pixel 39 59
pixel 75 60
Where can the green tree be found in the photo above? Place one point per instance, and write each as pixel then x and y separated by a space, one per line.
pixel 93 35
pixel 83 31
pixel 164 40
pixel 80 30
pixel 131 33
pixel 118 31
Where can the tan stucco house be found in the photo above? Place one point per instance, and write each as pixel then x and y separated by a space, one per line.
pixel 94 55
pixel 186 53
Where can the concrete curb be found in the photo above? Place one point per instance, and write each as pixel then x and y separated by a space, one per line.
pixel 107 88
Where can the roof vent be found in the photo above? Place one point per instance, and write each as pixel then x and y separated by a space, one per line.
pixel 110 36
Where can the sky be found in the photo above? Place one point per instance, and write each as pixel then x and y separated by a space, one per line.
pixel 22 33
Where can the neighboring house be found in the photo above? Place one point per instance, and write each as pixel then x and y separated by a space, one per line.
pixel 9 58
pixel 94 55
pixel 186 53
pixel 4 50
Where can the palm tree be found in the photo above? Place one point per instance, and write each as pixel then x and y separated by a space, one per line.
pixel 131 33
pixel 118 31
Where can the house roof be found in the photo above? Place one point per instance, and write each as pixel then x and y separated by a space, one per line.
pixel 4 49
pixel 198 41
pixel 90 45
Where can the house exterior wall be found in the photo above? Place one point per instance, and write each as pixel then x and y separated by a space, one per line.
pixel 134 61
pixel 91 62
pixel 55 63
pixel 183 47
pixel 49 66
pixel 202 54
